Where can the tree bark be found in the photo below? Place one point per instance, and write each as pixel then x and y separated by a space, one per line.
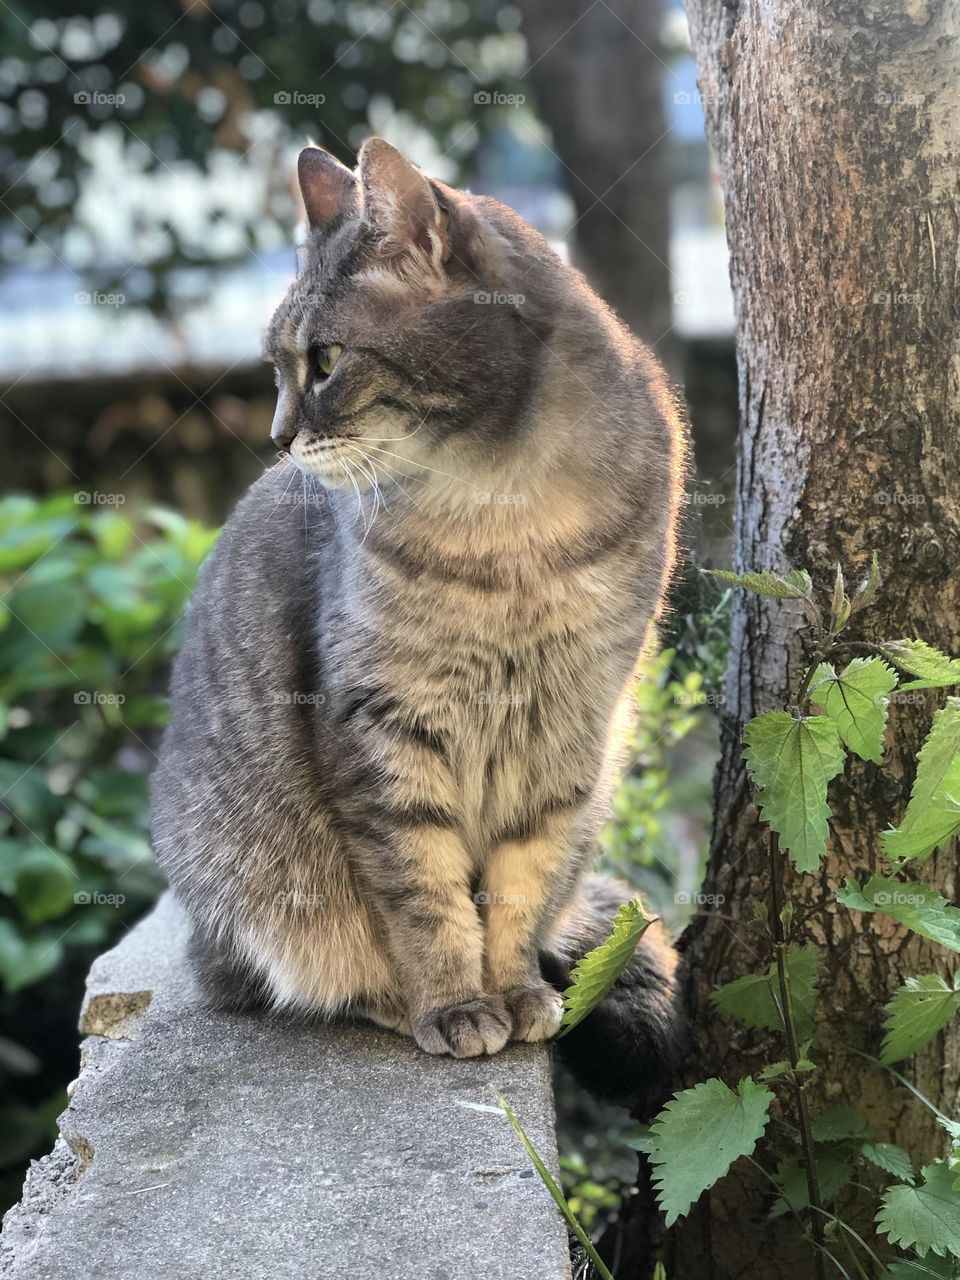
pixel 598 70
pixel 837 127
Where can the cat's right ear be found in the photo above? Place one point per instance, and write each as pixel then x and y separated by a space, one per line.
pixel 328 188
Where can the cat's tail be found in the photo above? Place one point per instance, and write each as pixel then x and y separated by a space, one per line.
pixel 628 1049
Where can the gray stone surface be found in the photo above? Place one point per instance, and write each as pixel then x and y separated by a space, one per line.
pixel 200 1145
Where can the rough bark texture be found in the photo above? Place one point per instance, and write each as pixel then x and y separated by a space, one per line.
pixel 838 131
pixel 598 70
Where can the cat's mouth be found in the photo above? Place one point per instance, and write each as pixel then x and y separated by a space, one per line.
pixel 334 462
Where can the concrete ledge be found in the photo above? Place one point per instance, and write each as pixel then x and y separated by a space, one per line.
pixel 210 1145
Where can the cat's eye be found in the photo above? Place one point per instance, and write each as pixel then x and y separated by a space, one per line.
pixel 323 360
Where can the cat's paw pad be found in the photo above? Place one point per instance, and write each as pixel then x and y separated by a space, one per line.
pixel 464 1030
pixel 536 1012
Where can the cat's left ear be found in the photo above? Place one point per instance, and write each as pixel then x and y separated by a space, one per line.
pixel 400 203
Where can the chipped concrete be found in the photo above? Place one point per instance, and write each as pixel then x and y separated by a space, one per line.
pixel 203 1144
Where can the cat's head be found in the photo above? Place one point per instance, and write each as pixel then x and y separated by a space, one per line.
pixel 416 328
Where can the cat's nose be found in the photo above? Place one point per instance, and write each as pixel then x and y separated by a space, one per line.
pixel 283 438
pixel 283 432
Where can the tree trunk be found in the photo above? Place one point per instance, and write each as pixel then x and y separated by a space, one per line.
pixel 598 72
pixel 837 127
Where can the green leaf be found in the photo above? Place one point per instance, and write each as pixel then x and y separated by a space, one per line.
pixel 24 959
pixel 931 1268
pixel 751 999
pixel 922 1007
pixel 856 701
pixel 45 884
pixel 699 1134
pixel 559 1199
pixel 791 761
pixel 834 1171
pixel 926 1217
pixel 838 1123
pixel 792 586
pixel 782 1068
pixel 890 1158
pixel 915 905
pixel 935 669
pixel 933 814
pixel 595 973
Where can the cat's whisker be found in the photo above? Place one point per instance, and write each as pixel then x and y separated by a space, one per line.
pixel 423 465
pixel 393 474
pixel 371 474
pixel 392 439
pixel 283 497
pixel 356 488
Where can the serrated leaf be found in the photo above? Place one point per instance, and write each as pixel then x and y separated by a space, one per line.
pixel 856 701
pixel 792 586
pixel 890 1158
pixel 595 973
pixel 915 905
pixel 932 817
pixel 923 1006
pixel 925 1217
pixel 834 1171
pixel 699 1134
pixel 751 999
pixel 933 668
pixel 791 761
pixel 837 1123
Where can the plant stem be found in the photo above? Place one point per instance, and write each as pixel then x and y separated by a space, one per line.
pixel 790 1028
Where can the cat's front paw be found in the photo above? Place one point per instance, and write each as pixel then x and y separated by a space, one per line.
pixel 464 1030
pixel 535 1011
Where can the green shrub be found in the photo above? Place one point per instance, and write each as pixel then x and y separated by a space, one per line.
pixel 91 602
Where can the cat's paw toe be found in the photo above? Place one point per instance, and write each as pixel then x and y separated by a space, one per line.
pixel 464 1030
pixel 535 1011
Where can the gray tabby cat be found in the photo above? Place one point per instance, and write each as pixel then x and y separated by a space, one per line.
pixel 398 707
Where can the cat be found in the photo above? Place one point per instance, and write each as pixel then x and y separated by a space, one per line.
pixel 399 706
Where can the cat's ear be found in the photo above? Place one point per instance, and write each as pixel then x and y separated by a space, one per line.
pixel 328 188
pixel 399 202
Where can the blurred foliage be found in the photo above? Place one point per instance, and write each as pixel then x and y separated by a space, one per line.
pixel 91 600
pixel 664 797
pixel 166 90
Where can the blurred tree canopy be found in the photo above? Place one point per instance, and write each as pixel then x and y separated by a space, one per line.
pixel 98 100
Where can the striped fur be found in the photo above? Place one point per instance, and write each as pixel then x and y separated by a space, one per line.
pixel 398 708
